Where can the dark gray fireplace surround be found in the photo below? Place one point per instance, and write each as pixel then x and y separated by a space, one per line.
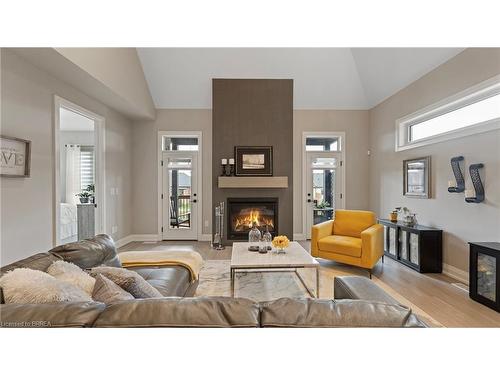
pixel 254 112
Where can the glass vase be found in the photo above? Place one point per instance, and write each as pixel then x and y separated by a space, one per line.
pixel 254 236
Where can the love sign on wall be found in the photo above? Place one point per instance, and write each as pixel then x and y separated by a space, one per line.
pixel 14 157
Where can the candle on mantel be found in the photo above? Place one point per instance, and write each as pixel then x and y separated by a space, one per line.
pixel 224 162
pixel 452 184
pixel 231 161
pixel 469 193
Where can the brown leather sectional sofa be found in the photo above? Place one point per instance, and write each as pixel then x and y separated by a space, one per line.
pixel 178 309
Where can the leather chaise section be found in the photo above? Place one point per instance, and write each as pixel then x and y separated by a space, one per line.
pixel 217 312
pixel 67 314
pixel 287 312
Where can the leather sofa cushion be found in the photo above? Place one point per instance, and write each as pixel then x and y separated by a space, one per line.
pixel 341 245
pixel 69 314
pixel 169 281
pixel 98 251
pixel 287 312
pixel 40 262
pixel 351 223
pixel 181 312
pixel 356 287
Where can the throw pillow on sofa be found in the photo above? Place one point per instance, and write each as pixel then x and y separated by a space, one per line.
pixel 108 292
pixel 24 285
pixel 72 274
pixel 129 280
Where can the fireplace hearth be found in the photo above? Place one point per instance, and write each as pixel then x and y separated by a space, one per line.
pixel 243 212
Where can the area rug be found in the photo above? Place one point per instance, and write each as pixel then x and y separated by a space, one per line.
pixel 266 286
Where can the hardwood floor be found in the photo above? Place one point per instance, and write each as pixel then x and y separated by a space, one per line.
pixel 433 293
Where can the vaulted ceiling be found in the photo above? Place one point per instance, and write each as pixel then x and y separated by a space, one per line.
pixel 324 78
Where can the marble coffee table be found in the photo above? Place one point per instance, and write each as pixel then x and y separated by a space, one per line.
pixel 296 257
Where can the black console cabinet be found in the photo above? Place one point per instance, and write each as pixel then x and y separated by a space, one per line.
pixel 418 246
pixel 484 275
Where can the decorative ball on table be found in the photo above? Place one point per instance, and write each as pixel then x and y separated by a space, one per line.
pixel 281 243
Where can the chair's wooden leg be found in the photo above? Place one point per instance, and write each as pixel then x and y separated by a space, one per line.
pixel 382 259
pixel 370 271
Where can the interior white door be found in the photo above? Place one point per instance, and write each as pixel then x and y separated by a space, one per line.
pixel 323 187
pixel 179 196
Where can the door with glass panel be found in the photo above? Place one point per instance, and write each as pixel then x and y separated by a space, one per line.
pixel 323 187
pixel 180 209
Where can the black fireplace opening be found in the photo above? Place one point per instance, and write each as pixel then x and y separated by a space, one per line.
pixel 243 212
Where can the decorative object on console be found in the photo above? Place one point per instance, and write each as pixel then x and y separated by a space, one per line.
pixel 254 160
pixel 478 197
pixel 418 247
pixel 394 216
pixel 281 243
pixel 416 178
pixel 219 227
pixel 458 185
pixel 15 157
pixel 484 276
pixel 407 217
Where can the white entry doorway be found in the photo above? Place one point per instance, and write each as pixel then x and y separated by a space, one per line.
pixel 180 197
pixel 323 177
pixel 79 173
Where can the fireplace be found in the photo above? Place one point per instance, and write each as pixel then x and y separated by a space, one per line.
pixel 243 212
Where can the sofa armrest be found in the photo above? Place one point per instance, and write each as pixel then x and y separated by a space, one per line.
pixel 318 232
pixel 372 244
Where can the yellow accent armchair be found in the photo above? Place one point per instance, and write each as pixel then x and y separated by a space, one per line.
pixel 354 238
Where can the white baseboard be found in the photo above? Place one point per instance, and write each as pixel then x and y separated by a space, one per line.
pixel 205 238
pixel 124 241
pixel 456 273
pixel 151 237
pixel 299 237
pixel 136 238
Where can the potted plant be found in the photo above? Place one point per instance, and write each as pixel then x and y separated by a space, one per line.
pixel 84 196
pixel 91 189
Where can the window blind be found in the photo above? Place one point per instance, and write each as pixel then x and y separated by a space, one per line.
pixel 86 166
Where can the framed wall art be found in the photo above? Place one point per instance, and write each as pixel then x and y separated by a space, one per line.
pixel 15 156
pixel 417 178
pixel 254 160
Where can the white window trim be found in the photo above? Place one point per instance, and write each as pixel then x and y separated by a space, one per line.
pixel 473 94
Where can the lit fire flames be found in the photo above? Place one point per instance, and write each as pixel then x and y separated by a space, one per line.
pixel 244 222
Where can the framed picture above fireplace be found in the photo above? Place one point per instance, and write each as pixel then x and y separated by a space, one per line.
pixel 254 160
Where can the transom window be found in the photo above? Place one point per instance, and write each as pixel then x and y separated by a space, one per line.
pixel 180 144
pixel 472 111
pixel 315 143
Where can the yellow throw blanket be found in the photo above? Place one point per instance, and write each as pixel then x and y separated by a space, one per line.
pixel 186 258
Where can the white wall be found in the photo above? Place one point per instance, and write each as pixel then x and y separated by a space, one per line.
pixel 460 221
pixel 355 125
pixel 145 168
pixel 27 204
